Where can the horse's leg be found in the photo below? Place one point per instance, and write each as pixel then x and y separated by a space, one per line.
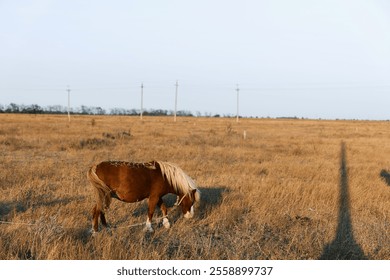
pixel 96 213
pixel 151 206
pixel 103 219
pixel 164 211
pixel 95 219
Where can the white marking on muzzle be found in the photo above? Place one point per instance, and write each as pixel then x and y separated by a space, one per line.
pixel 190 213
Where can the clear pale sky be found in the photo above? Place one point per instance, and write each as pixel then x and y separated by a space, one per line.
pixel 304 58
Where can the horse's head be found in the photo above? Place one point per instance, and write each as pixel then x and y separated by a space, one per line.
pixel 187 201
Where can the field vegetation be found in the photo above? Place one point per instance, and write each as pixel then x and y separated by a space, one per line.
pixel 289 189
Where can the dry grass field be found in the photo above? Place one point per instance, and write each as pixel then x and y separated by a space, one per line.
pixel 293 189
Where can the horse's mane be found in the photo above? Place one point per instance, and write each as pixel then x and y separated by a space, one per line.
pixel 180 181
pixel 148 165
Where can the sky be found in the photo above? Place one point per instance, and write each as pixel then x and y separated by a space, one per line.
pixel 326 59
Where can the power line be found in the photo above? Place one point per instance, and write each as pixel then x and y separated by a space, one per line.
pixel 142 99
pixel 68 90
pixel 219 86
pixel 177 85
pixel 268 92
pixel 238 102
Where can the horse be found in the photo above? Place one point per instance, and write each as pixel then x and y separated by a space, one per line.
pixel 132 182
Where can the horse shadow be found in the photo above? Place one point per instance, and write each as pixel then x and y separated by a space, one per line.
pixel 385 176
pixel 210 197
pixel 59 201
pixel 7 207
pixel 344 245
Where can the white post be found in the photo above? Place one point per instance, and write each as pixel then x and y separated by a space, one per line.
pixel 142 99
pixel 177 85
pixel 238 102
pixel 68 90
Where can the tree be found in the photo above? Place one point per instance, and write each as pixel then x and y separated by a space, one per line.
pixel 13 108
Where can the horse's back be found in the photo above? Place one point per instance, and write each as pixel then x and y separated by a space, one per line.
pixel 129 181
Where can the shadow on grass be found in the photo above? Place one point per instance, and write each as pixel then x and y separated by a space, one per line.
pixel 385 176
pixel 344 246
pixel 211 197
pixel 59 201
pixel 7 207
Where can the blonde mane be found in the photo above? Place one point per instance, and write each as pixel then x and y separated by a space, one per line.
pixel 180 181
pixel 148 165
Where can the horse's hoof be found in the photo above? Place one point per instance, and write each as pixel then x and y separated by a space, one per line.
pixel 166 223
pixel 148 229
pixel 109 231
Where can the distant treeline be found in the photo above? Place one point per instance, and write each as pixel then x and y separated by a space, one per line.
pixel 88 110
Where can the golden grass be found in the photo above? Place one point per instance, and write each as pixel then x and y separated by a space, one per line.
pixel 274 195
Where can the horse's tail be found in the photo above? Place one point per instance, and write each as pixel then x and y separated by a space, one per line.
pixel 179 180
pixel 103 192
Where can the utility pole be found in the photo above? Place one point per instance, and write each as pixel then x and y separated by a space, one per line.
pixel 142 99
pixel 68 90
pixel 238 102
pixel 177 85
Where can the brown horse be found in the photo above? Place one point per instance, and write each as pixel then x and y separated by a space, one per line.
pixel 132 182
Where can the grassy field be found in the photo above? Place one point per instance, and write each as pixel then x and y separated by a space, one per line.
pixel 292 189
